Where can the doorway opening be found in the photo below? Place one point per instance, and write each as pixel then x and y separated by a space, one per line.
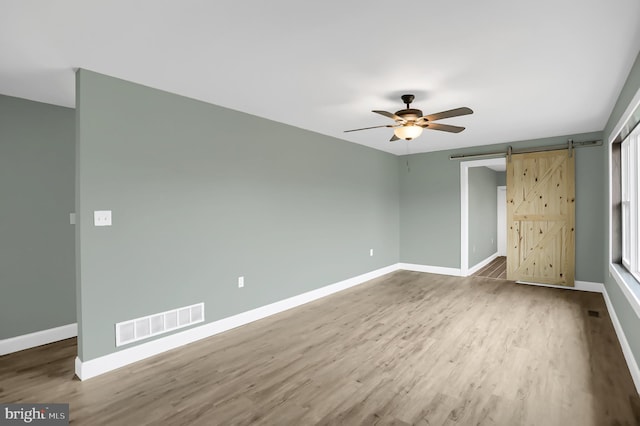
pixel 482 213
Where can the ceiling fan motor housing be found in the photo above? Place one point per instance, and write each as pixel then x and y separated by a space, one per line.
pixel 409 114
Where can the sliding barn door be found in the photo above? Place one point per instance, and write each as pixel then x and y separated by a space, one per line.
pixel 540 218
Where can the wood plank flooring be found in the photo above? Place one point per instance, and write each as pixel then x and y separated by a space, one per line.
pixel 496 269
pixel 407 348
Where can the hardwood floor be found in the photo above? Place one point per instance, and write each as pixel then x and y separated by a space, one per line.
pixel 407 348
pixel 496 269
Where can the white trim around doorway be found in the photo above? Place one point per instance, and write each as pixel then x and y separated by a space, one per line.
pixel 464 207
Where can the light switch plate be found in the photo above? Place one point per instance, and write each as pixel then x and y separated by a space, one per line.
pixel 102 218
pixel 72 218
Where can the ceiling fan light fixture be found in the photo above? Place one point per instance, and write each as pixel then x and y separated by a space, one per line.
pixel 408 131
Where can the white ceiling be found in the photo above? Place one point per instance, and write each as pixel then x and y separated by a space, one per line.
pixel 527 69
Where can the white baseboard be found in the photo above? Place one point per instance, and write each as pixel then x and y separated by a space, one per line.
pixel 578 285
pixel 475 268
pixel 31 340
pixel 626 349
pixel 94 367
pixel 589 286
pixel 430 269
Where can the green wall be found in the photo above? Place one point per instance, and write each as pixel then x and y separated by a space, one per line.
pixel 201 195
pixel 501 178
pixel 430 205
pixel 430 210
pixel 627 316
pixel 483 214
pixel 37 282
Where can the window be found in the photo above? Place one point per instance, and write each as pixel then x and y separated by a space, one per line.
pixel 629 164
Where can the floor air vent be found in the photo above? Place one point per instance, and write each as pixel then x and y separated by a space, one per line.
pixel 152 325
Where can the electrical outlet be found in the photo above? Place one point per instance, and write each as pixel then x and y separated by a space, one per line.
pixel 240 282
pixel 370 252
pixel 102 218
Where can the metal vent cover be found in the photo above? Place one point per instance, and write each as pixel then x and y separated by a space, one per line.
pixel 152 325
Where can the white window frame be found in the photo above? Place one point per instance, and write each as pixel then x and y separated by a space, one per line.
pixel 627 283
pixel 630 163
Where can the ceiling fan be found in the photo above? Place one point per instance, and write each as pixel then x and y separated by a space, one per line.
pixel 410 122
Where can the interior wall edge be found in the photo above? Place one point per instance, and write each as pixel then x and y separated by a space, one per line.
pixel 232 196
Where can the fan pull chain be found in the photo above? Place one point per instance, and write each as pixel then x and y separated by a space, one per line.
pixel 407 145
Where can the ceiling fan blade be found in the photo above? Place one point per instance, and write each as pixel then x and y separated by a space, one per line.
pixel 394 138
pixel 367 128
pixel 390 115
pixel 443 127
pixel 448 114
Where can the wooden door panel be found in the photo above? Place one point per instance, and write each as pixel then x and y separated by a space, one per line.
pixel 541 258
pixel 540 217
